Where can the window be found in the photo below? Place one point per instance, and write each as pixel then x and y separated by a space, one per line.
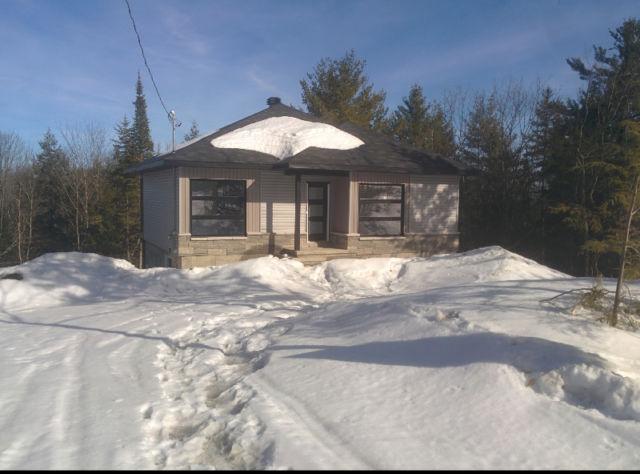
pixel 217 207
pixel 381 209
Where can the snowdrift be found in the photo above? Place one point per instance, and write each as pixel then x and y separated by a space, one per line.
pixel 489 264
pixel 61 278
pixel 446 362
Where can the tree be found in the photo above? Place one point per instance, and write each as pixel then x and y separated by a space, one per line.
pixel 17 199
pixel 629 196
pixel 498 205
pixel 141 133
pixel 26 199
pixel 85 147
pixel 126 193
pixel 193 133
pixel 338 91
pixel 589 173
pixel 423 125
pixel 10 147
pixel 132 145
pixel 53 233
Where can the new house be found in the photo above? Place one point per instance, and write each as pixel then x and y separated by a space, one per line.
pixel 285 182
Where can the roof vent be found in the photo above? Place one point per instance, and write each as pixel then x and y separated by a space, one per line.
pixel 273 101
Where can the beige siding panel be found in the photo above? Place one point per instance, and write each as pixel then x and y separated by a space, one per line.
pixel 366 177
pixel 159 203
pixel 431 202
pixel 433 205
pixel 278 202
pixel 253 192
pixel 278 213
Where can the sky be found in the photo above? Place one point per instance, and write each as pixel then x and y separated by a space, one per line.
pixel 67 62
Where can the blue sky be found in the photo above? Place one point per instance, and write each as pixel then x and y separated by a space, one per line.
pixel 68 61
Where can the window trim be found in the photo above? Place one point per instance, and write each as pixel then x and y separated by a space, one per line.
pixel 209 217
pixel 400 201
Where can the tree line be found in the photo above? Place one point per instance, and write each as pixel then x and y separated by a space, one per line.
pixel 555 175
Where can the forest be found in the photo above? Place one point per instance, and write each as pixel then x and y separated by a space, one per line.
pixel 557 177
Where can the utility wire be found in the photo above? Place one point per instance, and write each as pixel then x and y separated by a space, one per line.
pixel 133 22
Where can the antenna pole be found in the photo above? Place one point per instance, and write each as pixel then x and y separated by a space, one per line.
pixel 175 123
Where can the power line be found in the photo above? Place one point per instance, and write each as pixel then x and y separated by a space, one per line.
pixel 133 22
pixel 171 115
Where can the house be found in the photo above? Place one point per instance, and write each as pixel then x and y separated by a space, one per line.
pixel 284 182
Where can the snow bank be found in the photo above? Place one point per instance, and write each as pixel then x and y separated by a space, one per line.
pixel 284 137
pixel 488 264
pixel 593 387
pixel 56 278
pixel 77 278
pixel 62 278
pixel 355 277
pixel 375 363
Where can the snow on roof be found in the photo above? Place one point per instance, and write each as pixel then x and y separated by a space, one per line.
pixel 284 137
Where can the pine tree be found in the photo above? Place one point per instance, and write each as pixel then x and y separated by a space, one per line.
pixel 590 173
pixel 546 147
pixel 52 230
pixel 142 143
pixel 126 230
pixel 423 125
pixel 132 145
pixel 339 91
pixel 193 133
pixel 498 204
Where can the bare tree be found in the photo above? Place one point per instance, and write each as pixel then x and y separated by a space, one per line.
pixel 25 199
pixel 15 158
pixel 86 147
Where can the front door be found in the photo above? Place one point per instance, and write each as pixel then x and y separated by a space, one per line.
pixel 317 200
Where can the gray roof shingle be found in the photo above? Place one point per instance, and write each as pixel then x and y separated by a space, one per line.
pixel 379 153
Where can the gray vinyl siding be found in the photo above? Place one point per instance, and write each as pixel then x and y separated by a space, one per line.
pixel 159 207
pixel 433 205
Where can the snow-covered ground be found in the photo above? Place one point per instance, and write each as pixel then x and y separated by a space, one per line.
pixel 446 362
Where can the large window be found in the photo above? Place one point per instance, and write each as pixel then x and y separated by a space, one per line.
pixel 217 207
pixel 381 209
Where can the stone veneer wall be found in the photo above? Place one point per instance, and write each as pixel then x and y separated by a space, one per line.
pixel 188 252
pixel 410 245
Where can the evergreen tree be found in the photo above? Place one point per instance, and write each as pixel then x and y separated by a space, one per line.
pixel 52 230
pixel 589 171
pixel 497 205
pixel 339 91
pixel 423 125
pixel 193 133
pixel 126 230
pixel 141 133
pixel 546 147
pixel 132 145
